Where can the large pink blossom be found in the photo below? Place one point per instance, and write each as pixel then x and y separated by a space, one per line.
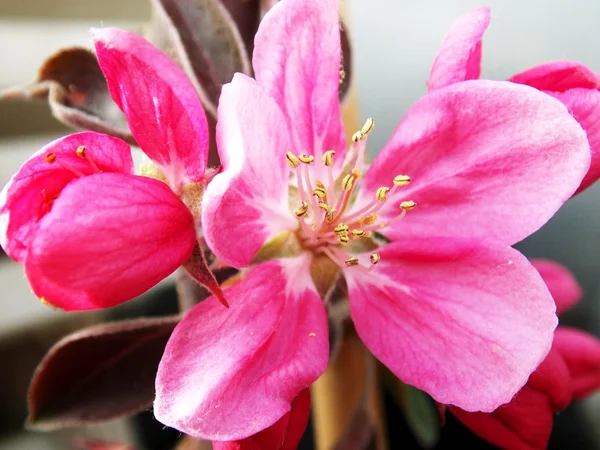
pixel 420 241
pixel 574 84
pixel 570 371
pixel 90 233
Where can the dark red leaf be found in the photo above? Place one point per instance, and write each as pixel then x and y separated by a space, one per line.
pixel 197 268
pixel 205 41
pixel 98 373
pixel 74 86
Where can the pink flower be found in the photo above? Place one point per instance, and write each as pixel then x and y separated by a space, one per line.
pixel 89 232
pixel 570 371
pixel 578 87
pixel 439 297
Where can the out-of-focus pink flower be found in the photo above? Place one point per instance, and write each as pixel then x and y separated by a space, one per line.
pixel 570 371
pixel 442 299
pixel 90 233
pixel 578 87
pixel 285 434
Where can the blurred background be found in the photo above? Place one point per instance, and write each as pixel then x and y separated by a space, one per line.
pixel 394 44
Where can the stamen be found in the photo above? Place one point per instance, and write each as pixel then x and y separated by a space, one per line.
pixel 401 180
pixel 328 158
pixel 85 155
pixel 306 159
pixel 352 261
pixel 348 182
pixel 366 129
pixel 381 194
pixel 374 258
pixel 358 233
pixel 330 214
pixel 344 239
pixel 325 206
pixel 50 158
pixel 320 192
pixel 292 160
pixel 408 205
pixel 302 210
pixel 370 219
pixel 341 228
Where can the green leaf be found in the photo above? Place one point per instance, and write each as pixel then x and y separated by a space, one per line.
pixel 419 410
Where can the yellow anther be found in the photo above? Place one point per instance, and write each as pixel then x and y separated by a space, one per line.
pixel 357 136
pixel 50 158
pixel 328 158
pixel 368 234
pixel 352 261
pixel 374 258
pixel 80 151
pixel 320 192
pixel 306 159
pixel 341 228
pixel 330 214
pixel 292 160
pixel 381 193
pixel 302 210
pixel 401 180
pixel 343 239
pixel 358 233
pixel 407 205
pixel 324 205
pixel 370 219
pixel 368 126
pixel 356 173
pixel 348 182
pixel 320 184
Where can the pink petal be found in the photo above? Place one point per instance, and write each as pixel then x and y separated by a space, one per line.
pixel 285 434
pixel 584 104
pixel 523 424
pixel 161 105
pixel 30 192
pixel 108 238
pixel 227 374
pixel 296 59
pixel 459 57
pixel 562 284
pixel 559 76
pixel 247 204
pixel 484 157
pixel 581 352
pixel 466 322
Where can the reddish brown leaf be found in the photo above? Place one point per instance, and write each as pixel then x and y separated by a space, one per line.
pixel 98 373
pixel 101 445
pixel 246 15
pixel 197 268
pixel 72 83
pixel 205 41
pixel 346 69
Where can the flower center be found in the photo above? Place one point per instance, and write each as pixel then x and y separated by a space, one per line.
pixel 327 222
pixel 51 158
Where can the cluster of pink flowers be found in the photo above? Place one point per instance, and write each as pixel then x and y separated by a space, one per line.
pixel 421 238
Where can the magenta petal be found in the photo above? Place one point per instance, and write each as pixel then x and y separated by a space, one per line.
pixel 108 238
pixel 558 76
pixel 227 374
pixel 459 57
pixel 581 352
pixel 484 157
pixel 247 204
pixel 466 322
pixel 584 104
pixel 561 283
pixel 29 195
pixel 161 105
pixel 296 59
